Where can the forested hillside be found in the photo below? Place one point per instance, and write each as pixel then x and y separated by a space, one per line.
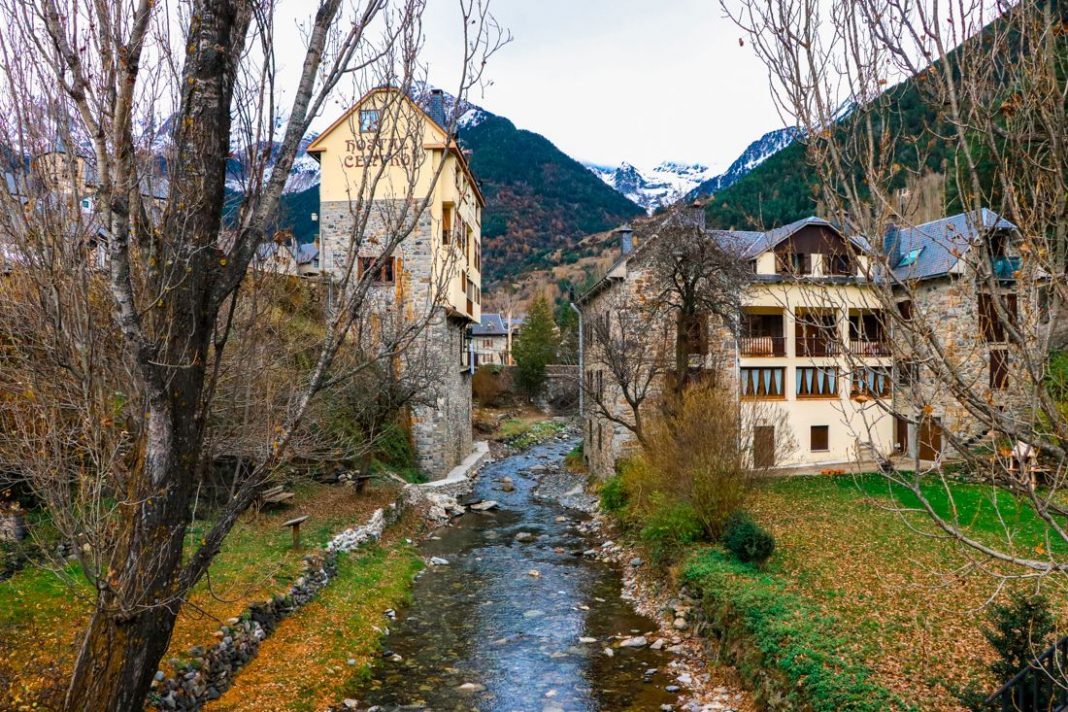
pixel 538 199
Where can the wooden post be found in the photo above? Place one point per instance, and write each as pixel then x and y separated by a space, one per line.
pixel 294 525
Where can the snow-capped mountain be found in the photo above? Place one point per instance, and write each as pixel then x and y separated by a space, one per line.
pixel 671 182
pixel 654 187
pixel 756 153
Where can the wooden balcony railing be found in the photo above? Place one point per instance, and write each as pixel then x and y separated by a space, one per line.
pixel 762 345
pixel 817 346
pixel 869 348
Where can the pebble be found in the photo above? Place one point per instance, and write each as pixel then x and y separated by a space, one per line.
pixel 524 537
pixel 635 562
pixel 657 644
pixel 438 561
pixel 534 573
pixel 350 704
pixel 471 687
pixel 637 641
pixel 485 505
pixel 681 624
pixel 587 640
pixel 609 652
pixel 672 688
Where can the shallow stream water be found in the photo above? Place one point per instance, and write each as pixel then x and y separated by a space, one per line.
pixel 500 628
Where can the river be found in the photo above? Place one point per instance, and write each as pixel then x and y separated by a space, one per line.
pixel 511 625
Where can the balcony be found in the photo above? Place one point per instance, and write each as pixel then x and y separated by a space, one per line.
pixel 817 346
pixel 762 346
pixel 869 348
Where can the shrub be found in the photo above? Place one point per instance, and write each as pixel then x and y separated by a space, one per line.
pixel 699 459
pixel 669 527
pixel 1020 629
pixel 613 495
pixel 747 540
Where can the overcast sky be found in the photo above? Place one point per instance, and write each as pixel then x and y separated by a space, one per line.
pixel 607 81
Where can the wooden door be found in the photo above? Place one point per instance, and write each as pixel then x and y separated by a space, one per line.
pixel 930 438
pixel 764 446
pixel 901 435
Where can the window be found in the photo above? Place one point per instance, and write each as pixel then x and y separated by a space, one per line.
pixel 910 258
pixel 817 382
pixel 695 331
pixel 762 382
pixel 904 308
pixel 370 120
pixel 991 324
pixel 871 382
pixel 819 438
pixel 999 370
pixel 793 263
pixel 841 265
pixel 908 373
pixel 385 270
pixel 87 203
pixel 446 224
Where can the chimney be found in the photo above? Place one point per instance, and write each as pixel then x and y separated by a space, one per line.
pixel 892 245
pixel 626 239
pixel 696 214
pixel 436 108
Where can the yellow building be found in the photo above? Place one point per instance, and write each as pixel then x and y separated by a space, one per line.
pixel 392 177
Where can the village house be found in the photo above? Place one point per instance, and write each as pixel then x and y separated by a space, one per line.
pixel 381 160
pixel 813 346
pixel 492 339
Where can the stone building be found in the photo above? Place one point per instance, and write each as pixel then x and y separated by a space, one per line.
pixel 492 339
pixel 813 340
pixel 389 170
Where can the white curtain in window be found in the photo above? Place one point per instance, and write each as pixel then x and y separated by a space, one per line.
pixel 778 381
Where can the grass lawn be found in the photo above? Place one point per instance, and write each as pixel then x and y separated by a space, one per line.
pixel 905 605
pixel 43 613
pixel 305 664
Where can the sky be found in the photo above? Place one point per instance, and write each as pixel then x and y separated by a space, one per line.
pixel 608 81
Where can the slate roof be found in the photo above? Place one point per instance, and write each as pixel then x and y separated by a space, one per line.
pixel 942 243
pixel 492 325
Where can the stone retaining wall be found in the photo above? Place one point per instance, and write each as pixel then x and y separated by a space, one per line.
pixel 210 671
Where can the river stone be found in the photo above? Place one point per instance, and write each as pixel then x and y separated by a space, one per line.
pixel 471 687
pixel 533 613
pixel 637 641
pixel 609 652
pixel 438 561
pixel 484 505
pixel 350 704
pixel 657 644
pixel 524 537
pixel 587 640
pixel 681 624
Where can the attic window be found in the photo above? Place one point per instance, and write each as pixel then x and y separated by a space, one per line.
pixel 910 258
pixel 370 120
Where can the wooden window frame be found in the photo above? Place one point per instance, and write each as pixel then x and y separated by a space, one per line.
pixel 744 376
pixel 999 369
pixel 832 395
pixel 387 271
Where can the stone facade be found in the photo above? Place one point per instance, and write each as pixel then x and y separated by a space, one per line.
pixel 441 423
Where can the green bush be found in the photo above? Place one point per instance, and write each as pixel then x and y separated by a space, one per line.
pixel 1020 629
pixel 747 540
pixel 613 494
pixel 669 526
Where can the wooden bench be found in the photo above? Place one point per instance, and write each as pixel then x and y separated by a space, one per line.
pixel 294 524
pixel 274 495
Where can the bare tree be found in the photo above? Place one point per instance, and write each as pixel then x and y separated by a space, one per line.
pixel 128 263
pixel 986 108
pixel 630 344
pixel 694 279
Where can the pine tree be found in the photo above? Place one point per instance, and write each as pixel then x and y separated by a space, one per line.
pixel 535 347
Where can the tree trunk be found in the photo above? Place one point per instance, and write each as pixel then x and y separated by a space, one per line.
pixel 139 599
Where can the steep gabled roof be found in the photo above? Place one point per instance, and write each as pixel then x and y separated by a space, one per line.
pixel 933 249
pixel 491 325
pixel 315 147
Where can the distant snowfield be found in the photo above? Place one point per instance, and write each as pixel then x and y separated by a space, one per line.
pixel 654 187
